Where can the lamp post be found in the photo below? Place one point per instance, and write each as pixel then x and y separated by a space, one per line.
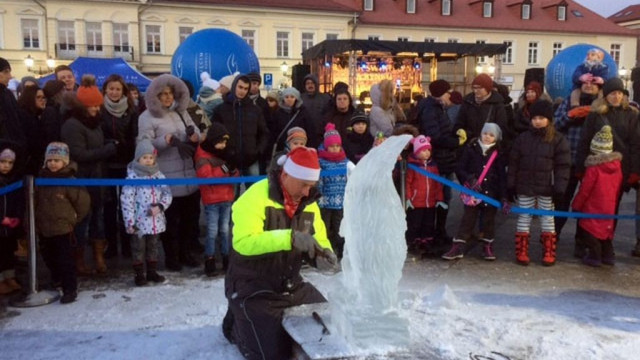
pixel 29 63
pixel 624 75
pixel 285 68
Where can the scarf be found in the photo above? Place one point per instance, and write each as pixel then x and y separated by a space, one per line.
pixel 484 147
pixel 142 170
pixel 330 156
pixel 117 108
pixel 290 206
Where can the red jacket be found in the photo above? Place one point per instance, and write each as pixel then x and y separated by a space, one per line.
pixel 599 192
pixel 210 166
pixel 421 190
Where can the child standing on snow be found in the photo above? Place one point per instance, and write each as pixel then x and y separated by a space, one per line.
pixel 58 210
pixel 539 165
pixel 476 157
pixel 333 158
pixel 212 161
pixel 422 195
pixel 598 194
pixel 11 213
pixel 143 212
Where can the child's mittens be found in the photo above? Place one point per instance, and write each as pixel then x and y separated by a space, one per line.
pixel 155 209
pixel 10 222
pixel 131 230
pixel 598 80
pixel 588 77
pixel 6 221
pixel 443 205
pixel 579 112
pixel 462 136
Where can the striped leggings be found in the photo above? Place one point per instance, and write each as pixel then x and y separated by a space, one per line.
pixel 535 202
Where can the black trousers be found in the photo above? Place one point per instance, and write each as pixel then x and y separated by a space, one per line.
pixel 565 204
pixel 182 227
pixel 57 255
pixel 8 245
pixel 470 216
pixel 113 223
pixel 257 321
pixel 420 223
pixel 332 219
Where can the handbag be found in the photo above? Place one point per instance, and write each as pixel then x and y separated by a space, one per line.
pixel 470 200
pixel 284 130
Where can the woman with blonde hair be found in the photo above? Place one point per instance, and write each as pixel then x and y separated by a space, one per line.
pixel 385 112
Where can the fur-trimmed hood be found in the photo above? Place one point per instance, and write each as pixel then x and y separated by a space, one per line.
pixel 180 95
pixel 597 159
pixel 600 106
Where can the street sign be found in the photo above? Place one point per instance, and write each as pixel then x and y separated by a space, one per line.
pixel 268 79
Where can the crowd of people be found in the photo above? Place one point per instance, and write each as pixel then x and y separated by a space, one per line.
pixel 535 155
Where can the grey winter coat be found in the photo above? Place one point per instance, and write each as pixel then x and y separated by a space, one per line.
pixel 158 121
pixel 136 201
pixel 380 120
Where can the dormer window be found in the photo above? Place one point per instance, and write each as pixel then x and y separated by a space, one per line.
pixel 526 11
pixel 368 5
pixel 446 7
pixel 411 6
pixel 562 12
pixel 487 9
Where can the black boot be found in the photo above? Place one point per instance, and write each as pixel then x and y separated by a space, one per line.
pixel 152 275
pixel 441 227
pixel 125 242
pixel 68 297
pixel 225 262
pixel 636 249
pixel 139 278
pixel 210 266
pixel 187 259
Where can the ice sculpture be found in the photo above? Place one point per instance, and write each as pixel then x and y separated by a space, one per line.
pixel 364 304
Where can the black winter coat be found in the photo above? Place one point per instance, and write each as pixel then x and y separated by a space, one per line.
pixel 357 145
pixel 247 128
pixel 52 120
pixel 342 120
pixel 472 116
pixel 124 130
pixel 626 135
pixel 10 127
pixel 302 119
pixel 472 163
pixel 435 123
pixel 538 168
pixel 36 140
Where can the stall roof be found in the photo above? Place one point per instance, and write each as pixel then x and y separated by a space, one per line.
pixel 442 51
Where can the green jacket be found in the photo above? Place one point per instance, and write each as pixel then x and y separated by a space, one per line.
pixel 60 208
pixel 262 256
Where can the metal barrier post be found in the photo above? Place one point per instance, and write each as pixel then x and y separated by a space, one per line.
pixel 403 176
pixel 33 297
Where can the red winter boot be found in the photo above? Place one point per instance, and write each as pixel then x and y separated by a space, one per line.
pixel 522 248
pixel 549 244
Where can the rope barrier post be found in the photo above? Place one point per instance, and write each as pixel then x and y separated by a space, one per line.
pixel 403 176
pixel 33 297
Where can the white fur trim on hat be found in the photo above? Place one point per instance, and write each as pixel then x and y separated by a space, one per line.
pixel 302 163
pixel 208 81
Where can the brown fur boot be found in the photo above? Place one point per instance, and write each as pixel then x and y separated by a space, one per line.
pixel 522 248
pixel 98 255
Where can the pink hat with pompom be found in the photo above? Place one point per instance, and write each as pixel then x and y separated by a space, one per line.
pixel 420 143
pixel 331 136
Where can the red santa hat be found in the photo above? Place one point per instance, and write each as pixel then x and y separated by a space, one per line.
pixel 302 163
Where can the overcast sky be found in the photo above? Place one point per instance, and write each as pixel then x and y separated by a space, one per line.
pixel 607 8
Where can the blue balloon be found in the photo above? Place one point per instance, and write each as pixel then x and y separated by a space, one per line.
pixel 216 51
pixel 560 69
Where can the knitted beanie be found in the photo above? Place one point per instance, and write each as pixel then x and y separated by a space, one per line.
pixel 291 91
pixel 297 133
pixel 420 143
pixel 216 133
pixel 611 85
pixel 456 97
pixel 492 128
pixel 88 93
pixel 302 163
pixel 144 147
pixel 254 76
pixel 542 108
pixel 274 94
pixel 207 81
pixel 602 142
pixel 359 117
pixel 484 81
pixel 439 88
pixel 227 81
pixel 8 154
pixel 57 150
pixel 331 136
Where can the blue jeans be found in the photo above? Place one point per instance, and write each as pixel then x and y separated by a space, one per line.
pixel 218 219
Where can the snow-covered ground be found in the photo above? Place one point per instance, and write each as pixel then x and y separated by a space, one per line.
pixel 470 309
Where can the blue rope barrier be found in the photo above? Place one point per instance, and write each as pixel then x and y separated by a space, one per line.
pixel 515 209
pixel 11 187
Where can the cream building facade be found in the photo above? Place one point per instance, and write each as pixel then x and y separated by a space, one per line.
pixel 147 32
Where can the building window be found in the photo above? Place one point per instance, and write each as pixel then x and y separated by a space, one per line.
pixel 332 37
pixel 507 58
pixel 557 47
pixel 30 33
pixel 429 39
pixel 403 38
pixel 121 38
pixel 481 59
pixel 532 55
pixel 452 40
pixel 153 39
pixel 368 5
pixel 94 37
pixel 66 36
pixel 282 44
pixel 374 37
pixel 249 36
pixel 307 40
pixel 562 13
pixel 446 7
pixel 411 6
pixel 526 11
pixel 184 32
pixel 615 52
pixel 487 9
